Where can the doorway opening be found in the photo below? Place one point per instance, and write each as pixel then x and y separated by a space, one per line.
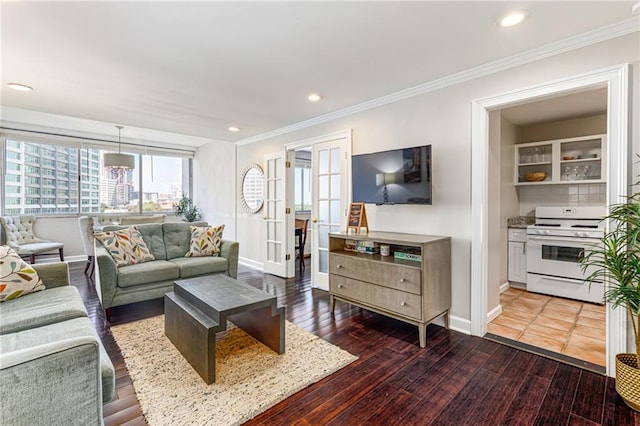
pixel 303 199
pixel 329 175
pixel 487 224
pixel 562 317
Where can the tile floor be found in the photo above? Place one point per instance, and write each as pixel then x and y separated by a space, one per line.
pixel 569 327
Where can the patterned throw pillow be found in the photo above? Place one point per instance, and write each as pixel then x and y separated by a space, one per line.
pixel 17 277
pixel 125 246
pixel 205 241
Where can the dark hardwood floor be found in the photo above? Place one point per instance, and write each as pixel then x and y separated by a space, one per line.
pixel 456 380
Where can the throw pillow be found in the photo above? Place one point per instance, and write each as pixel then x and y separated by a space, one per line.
pixel 125 246
pixel 17 277
pixel 205 241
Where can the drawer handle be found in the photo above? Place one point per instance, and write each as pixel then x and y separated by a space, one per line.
pixel 403 303
pixel 402 280
pixel 339 285
pixel 338 266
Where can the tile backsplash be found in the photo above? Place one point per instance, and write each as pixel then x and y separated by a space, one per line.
pixel 586 194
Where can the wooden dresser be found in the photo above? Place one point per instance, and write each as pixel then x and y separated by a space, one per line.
pixel 414 291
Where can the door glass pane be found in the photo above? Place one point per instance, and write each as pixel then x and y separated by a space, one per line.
pixel 335 186
pixel 335 228
pixel 277 210
pixel 323 236
pixel 271 185
pixel 278 231
pixel 323 211
pixel 277 258
pixel 323 162
pixel 323 187
pixel 335 211
pixel 270 252
pixel 270 230
pixel 324 261
pixel 335 160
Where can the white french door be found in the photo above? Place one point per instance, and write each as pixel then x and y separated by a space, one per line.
pixel 276 220
pixel 330 198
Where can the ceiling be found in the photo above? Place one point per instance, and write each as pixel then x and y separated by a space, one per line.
pixel 196 68
pixel 575 105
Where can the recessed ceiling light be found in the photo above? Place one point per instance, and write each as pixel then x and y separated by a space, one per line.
pixel 234 129
pixel 512 18
pixel 20 87
pixel 314 97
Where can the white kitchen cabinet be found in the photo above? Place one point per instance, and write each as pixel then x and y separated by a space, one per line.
pixel 517 255
pixel 561 161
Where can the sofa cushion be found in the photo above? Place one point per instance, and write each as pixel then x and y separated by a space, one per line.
pixel 76 327
pixel 153 235
pixel 148 272
pixel 192 266
pixel 205 241
pixel 41 308
pixel 177 236
pixel 126 246
pixel 17 278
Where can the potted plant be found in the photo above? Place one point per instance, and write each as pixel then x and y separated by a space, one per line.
pixel 186 208
pixel 617 265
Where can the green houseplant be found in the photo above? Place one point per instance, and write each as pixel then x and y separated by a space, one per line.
pixel 616 263
pixel 185 207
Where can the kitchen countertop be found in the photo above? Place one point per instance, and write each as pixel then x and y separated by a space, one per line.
pixel 520 221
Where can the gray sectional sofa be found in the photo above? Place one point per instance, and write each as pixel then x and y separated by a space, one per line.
pixel 53 367
pixel 168 242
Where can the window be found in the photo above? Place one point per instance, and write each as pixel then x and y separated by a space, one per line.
pixel 57 179
pixel 302 186
pixel 162 182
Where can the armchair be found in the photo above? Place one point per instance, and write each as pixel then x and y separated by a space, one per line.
pixel 17 233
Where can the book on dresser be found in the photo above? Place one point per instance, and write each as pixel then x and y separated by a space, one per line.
pixel 412 284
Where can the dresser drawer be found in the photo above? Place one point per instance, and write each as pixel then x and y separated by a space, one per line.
pixel 386 274
pixel 388 299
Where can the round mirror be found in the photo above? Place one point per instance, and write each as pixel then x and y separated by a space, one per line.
pixel 252 186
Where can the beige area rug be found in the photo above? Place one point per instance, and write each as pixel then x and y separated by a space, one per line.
pixel 250 377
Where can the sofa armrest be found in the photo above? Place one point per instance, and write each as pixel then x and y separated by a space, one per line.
pixel 57 383
pixel 106 275
pixel 230 251
pixel 53 274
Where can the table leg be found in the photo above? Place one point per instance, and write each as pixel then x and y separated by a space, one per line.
pixel 265 324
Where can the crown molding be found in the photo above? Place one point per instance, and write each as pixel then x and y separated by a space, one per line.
pixel 589 38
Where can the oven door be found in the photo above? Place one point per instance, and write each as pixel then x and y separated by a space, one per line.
pixel 558 256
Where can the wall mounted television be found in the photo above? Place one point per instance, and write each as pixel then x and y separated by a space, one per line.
pixel 399 176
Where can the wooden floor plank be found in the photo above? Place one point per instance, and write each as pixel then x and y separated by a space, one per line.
pixel 456 378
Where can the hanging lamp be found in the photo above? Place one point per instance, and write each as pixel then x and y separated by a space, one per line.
pixel 119 161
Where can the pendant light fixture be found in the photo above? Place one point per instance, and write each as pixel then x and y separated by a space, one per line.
pixel 119 162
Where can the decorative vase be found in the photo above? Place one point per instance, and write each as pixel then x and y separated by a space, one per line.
pixel 628 379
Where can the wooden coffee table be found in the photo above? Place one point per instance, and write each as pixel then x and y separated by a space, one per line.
pixel 198 308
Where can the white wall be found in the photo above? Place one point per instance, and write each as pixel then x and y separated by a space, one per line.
pixel 441 118
pixel 214 185
pixel 494 234
pixel 508 194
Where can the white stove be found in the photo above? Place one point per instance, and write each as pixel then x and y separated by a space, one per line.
pixel 555 244
pixel 579 221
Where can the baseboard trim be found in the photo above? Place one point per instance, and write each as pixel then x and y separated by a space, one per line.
pixel 494 313
pixel 504 287
pixel 460 324
pixel 251 263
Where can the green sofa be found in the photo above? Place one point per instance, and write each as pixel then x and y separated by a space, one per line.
pixel 168 242
pixel 53 367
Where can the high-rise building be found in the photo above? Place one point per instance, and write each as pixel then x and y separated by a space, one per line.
pixel 43 179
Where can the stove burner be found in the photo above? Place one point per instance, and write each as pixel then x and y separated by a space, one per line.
pixel 585 226
pixel 547 224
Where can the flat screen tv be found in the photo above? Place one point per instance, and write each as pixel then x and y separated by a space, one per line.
pixel 399 176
